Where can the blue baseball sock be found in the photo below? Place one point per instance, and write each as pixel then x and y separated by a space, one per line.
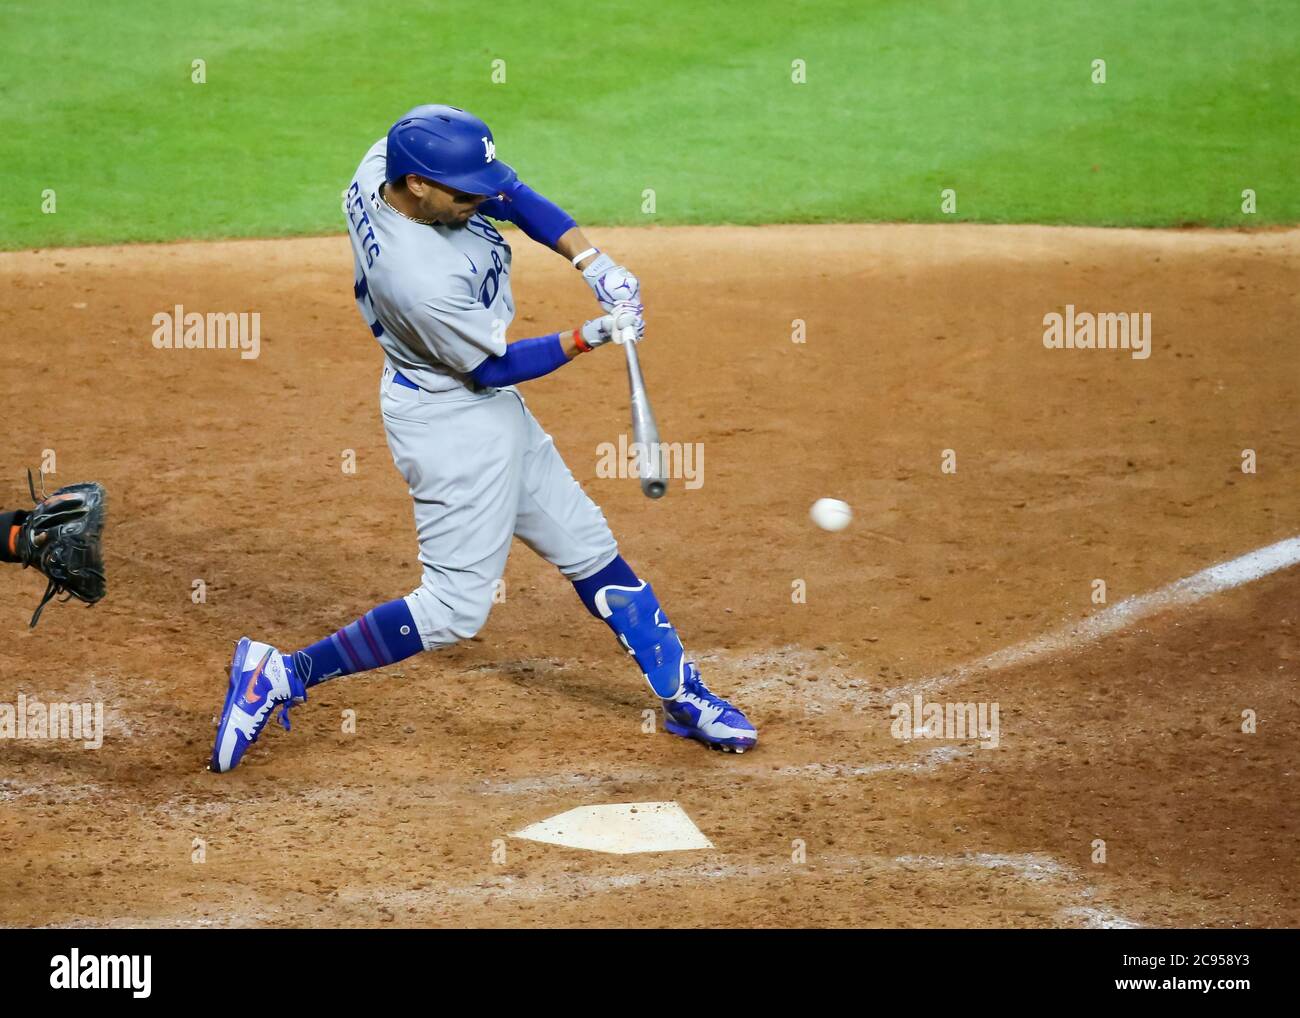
pixel 380 637
pixel 629 607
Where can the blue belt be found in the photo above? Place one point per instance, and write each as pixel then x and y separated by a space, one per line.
pixel 401 379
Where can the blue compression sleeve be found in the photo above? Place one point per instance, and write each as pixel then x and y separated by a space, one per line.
pixel 539 217
pixel 525 359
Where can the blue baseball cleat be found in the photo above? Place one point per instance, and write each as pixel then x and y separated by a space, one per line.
pixel 260 678
pixel 697 713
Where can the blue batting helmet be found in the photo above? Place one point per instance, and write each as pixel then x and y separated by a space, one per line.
pixel 448 145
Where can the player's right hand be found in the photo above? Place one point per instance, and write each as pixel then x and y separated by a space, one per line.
pixel 598 331
pixel 628 315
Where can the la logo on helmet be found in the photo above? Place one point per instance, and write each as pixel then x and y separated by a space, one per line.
pixel 489 149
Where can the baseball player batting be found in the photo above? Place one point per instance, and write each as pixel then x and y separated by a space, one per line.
pixel 433 286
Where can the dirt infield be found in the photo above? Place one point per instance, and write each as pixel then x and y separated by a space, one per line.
pixel 1071 466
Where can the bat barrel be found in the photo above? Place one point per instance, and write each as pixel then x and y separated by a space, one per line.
pixel 645 431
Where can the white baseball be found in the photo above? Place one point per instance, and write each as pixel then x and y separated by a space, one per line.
pixel 831 514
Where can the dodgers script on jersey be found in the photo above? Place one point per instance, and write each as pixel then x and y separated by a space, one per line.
pixel 436 297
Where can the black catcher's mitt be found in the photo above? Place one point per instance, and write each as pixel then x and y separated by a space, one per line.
pixel 61 538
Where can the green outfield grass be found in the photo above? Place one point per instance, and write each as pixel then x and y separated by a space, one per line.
pixel 601 101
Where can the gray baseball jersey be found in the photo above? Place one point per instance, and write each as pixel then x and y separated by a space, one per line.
pixel 436 297
pixel 479 468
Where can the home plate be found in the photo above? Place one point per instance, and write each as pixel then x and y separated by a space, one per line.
pixel 621 828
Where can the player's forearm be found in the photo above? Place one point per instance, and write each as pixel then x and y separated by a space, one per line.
pixel 527 359
pixel 573 243
pixel 543 221
pixel 535 214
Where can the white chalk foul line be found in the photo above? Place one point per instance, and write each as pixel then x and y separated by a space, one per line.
pixel 1033 868
pixel 1237 572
